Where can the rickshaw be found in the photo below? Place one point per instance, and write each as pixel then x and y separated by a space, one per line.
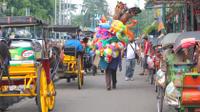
pixel 182 81
pixel 73 65
pixel 56 43
pixel 29 68
pixel 72 62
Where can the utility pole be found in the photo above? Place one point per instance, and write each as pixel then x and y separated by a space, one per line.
pixel 192 16
pixel 185 17
pixel 60 13
pixel 55 18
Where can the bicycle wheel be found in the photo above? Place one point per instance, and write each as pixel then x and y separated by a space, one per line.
pixel 160 99
pixel 151 76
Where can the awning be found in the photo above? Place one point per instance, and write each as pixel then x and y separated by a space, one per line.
pixel 186 36
pixel 63 28
pixel 169 39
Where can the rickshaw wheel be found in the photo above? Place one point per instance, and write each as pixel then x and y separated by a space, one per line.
pixel 160 99
pixel 51 98
pixel 42 91
pixel 80 74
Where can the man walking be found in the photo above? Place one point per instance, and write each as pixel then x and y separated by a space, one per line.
pixel 131 51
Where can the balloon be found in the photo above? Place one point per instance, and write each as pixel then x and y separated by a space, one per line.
pixel 117 26
pixel 113 43
pixel 105 43
pixel 92 52
pixel 103 33
pixel 108 59
pixel 115 54
pixel 108 52
pixel 121 45
pixel 111 47
pixel 101 51
pixel 127 30
pixel 129 34
pixel 121 37
pixel 99 45
pixel 103 19
pixel 97 52
pixel 104 25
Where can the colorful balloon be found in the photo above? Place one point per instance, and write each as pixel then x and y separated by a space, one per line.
pixel 99 45
pixel 107 52
pixel 117 26
pixel 97 52
pixel 104 25
pixel 108 58
pixel 115 53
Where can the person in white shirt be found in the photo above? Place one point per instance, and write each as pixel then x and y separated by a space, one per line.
pixel 131 50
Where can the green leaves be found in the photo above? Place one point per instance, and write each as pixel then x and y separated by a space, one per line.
pixel 43 9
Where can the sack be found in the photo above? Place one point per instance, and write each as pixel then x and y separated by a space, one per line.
pixel 160 78
pixel 96 60
pixel 150 62
pixel 172 94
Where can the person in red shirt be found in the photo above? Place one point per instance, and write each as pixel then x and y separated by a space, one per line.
pixel 147 46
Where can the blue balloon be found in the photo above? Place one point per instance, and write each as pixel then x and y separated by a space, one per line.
pixel 104 25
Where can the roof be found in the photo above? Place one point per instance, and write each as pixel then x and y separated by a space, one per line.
pixel 169 39
pixel 185 35
pixel 21 21
pixel 63 28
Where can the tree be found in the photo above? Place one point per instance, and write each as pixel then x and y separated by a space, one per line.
pixel 92 7
pixel 43 9
pixel 145 19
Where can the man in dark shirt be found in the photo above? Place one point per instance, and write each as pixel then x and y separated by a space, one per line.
pixel 110 73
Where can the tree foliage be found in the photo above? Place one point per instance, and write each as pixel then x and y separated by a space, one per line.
pixel 43 9
pixel 145 19
pixel 89 10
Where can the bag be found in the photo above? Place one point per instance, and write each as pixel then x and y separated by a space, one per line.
pixel 160 78
pixel 150 62
pixel 172 94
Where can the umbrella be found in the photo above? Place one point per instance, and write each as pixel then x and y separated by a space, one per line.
pixel 186 39
pixel 169 39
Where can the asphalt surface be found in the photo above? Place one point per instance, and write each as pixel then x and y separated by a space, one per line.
pixel 130 96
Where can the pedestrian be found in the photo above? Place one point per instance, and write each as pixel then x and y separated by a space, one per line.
pixel 146 54
pixel 131 51
pixel 111 71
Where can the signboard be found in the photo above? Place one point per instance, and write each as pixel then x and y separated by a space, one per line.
pixel 197 12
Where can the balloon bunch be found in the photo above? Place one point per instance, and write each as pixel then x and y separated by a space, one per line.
pixel 112 35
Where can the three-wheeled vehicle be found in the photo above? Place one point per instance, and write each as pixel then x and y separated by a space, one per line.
pixel 88 58
pixel 27 65
pixel 72 62
pixel 182 80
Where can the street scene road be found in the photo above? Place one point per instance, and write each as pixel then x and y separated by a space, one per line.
pixel 38 38
pixel 130 96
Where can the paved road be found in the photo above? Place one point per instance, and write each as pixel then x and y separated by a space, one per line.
pixel 130 96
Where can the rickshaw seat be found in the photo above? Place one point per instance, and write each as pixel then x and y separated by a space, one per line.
pixel 191 90
pixel 70 50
